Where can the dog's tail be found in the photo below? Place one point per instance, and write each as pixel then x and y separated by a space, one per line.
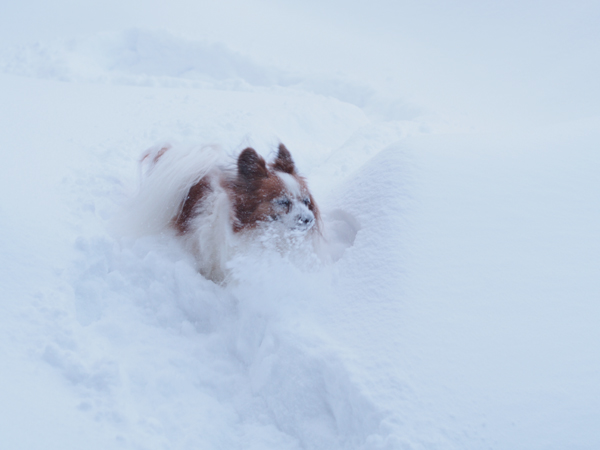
pixel 167 172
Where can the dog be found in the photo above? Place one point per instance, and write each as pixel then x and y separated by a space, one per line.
pixel 216 205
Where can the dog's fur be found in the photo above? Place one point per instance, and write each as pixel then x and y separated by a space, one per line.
pixel 212 206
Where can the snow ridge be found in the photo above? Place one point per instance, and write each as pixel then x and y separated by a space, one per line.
pixel 156 58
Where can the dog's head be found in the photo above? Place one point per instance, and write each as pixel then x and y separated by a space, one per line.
pixel 272 193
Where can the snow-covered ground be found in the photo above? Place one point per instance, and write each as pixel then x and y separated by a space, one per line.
pixel 454 153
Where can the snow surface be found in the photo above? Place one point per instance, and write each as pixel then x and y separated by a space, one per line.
pixel 461 311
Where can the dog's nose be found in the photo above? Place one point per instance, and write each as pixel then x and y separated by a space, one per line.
pixel 304 220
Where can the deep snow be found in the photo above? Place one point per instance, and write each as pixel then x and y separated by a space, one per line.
pixel 461 310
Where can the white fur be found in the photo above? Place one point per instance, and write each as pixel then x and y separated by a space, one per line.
pixel 164 186
pixel 213 241
pixel 291 184
pixel 299 210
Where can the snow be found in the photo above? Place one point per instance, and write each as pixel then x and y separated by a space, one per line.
pixel 461 307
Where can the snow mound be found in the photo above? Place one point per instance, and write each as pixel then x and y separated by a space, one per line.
pixel 138 57
pixel 159 59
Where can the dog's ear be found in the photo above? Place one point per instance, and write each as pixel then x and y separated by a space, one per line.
pixel 251 166
pixel 284 161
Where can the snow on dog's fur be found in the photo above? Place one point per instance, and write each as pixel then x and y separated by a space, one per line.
pixel 215 206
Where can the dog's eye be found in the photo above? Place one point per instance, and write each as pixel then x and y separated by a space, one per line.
pixel 306 201
pixel 284 202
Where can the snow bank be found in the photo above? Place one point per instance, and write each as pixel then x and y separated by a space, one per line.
pixel 160 59
pixel 138 57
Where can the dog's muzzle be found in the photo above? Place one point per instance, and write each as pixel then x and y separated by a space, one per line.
pixel 305 221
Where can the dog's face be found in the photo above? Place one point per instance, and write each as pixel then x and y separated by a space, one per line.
pixel 272 194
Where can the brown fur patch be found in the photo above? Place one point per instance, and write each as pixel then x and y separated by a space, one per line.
pixel 284 162
pixel 251 166
pixel 191 204
pixel 252 202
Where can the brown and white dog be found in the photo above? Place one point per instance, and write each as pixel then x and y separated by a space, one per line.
pixel 215 207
